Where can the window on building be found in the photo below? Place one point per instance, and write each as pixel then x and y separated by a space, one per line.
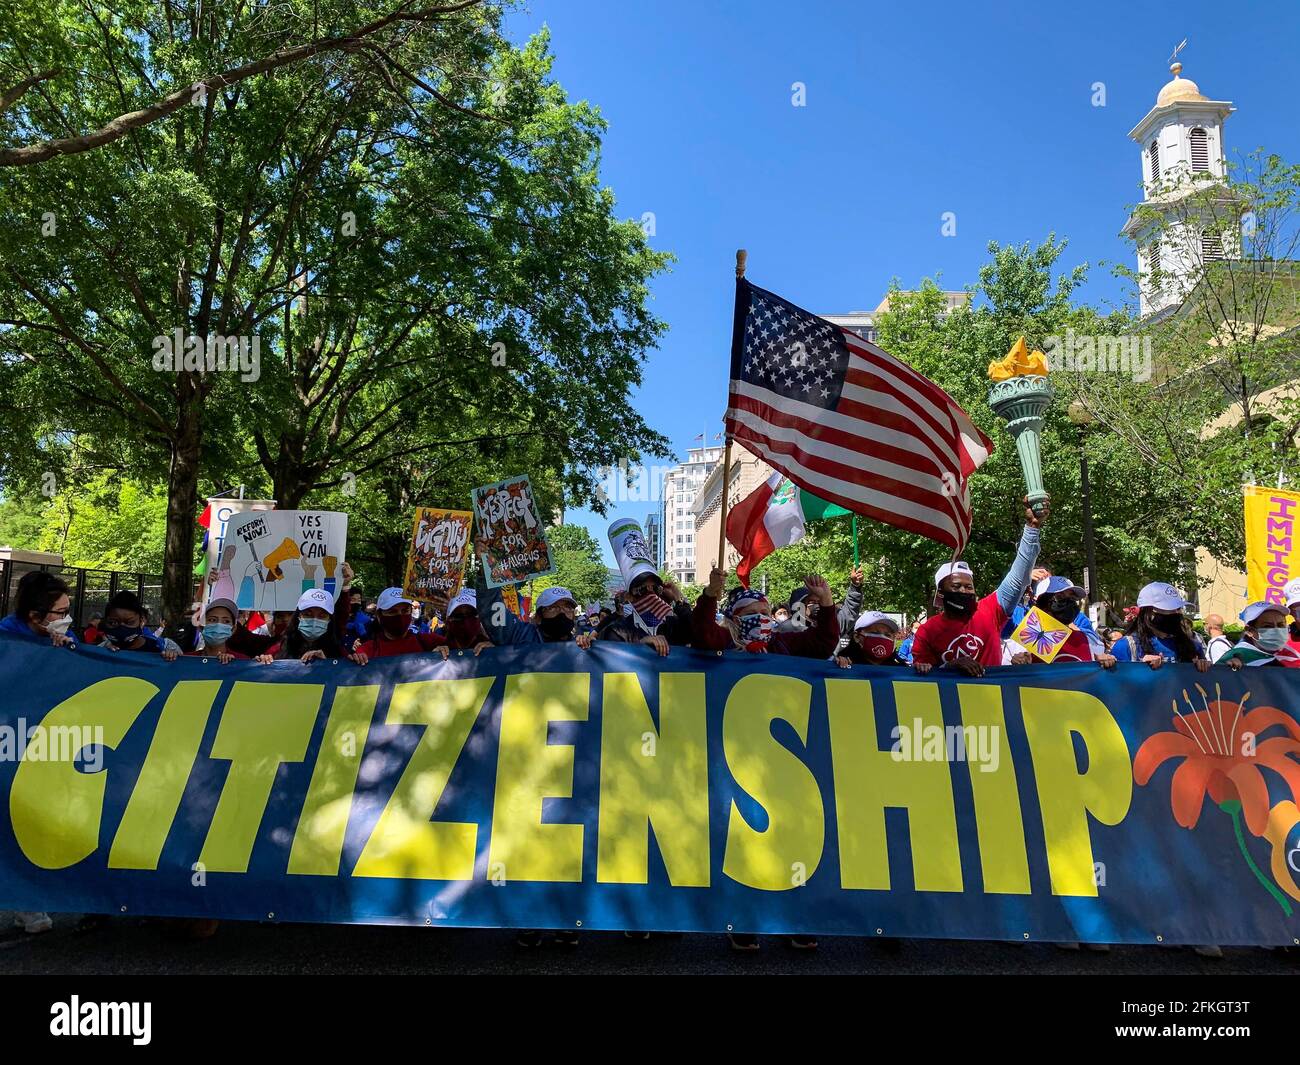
pixel 1211 248
pixel 1154 270
pixel 1153 153
pixel 1200 151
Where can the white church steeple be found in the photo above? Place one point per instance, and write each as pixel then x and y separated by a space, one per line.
pixel 1181 138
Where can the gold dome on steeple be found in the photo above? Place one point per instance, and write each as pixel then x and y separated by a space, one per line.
pixel 1178 89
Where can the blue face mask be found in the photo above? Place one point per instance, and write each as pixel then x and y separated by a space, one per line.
pixel 312 628
pixel 1272 639
pixel 217 632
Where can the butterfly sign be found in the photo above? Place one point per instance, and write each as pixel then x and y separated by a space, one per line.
pixel 1041 634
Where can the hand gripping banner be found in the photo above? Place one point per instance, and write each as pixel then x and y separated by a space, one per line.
pixel 550 787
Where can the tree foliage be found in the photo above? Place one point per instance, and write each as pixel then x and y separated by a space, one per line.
pixel 410 232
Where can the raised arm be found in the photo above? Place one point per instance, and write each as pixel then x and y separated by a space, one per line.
pixel 1017 579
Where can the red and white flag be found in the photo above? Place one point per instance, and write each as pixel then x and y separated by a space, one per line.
pixel 849 422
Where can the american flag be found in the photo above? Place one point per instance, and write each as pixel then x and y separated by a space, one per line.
pixel 652 605
pixel 849 422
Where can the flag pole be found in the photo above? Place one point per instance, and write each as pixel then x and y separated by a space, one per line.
pixel 742 260
pixel 855 541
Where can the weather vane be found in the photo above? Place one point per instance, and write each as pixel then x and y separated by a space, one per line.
pixel 1181 45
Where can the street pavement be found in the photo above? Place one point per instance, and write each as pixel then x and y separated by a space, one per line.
pixel 135 945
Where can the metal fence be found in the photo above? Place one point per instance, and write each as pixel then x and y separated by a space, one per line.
pixel 89 589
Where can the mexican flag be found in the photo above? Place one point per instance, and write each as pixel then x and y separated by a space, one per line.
pixel 774 515
pixel 1251 655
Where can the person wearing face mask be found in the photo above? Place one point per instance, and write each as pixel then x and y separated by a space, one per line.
pixel 656 616
pixel 1264 641
pixel 218 626
pixel 463 631
pixel 1081 621
pixel 554 615
pixel 1059 598
pixel 802 612
pixel 393 632
pixel 874 634
pixel 42 614
pixel 312 634
pixel 42 611
pixel 360 623
pixel 747 623
pixel 966 632
pixel 124 629
pixel 1160 631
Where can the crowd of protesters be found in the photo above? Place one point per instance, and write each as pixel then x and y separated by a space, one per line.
pixel 965 632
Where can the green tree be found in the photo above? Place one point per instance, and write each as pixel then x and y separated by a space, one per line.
pixel 410 230
pixel 1021 291
pixel 578 564
pixel 1204 393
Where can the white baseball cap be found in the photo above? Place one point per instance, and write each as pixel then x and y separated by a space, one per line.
pixel 871 617
pixel 1054 585
pixel 1254 610
pixel 390 597
pixel 948 569
pixel 555 595
pixel 316 597
pixel 1162 596
pixel 465 597
pixel 1292 591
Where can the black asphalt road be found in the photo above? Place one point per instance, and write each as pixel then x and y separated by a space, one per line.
pixel 134 945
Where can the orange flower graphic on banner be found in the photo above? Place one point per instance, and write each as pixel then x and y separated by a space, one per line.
pixel 1225 758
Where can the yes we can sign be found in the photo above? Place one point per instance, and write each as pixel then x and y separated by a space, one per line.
pixel 507 519
pixel 279 554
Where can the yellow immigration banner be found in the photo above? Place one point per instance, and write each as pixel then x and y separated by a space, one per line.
pixel 1272 547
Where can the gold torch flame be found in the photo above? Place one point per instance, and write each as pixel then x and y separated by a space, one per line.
pixel 1019 362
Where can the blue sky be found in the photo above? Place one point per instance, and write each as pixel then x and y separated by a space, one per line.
pixel 910 112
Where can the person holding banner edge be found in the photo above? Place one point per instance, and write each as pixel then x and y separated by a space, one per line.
pixel 965 633
pixel 1160 631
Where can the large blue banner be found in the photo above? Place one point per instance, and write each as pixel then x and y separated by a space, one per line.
pixel 550 787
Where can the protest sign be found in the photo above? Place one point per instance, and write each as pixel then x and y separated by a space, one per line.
pixel 218 582
pixel 506 518
pixel 435 564
pixel 280 554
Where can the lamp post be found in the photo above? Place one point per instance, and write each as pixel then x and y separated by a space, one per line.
pixel 1081 417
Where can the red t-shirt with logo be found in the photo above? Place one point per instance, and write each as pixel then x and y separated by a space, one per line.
pixel 941 638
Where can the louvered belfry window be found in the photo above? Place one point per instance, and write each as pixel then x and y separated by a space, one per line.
pixel 1211 248
pixel 1154 152
pixel 1153 265
pixel 1200 152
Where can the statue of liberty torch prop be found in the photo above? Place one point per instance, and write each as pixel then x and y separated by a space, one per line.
pixel 1021 393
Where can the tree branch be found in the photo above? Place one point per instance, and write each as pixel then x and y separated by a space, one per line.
pixel 124 124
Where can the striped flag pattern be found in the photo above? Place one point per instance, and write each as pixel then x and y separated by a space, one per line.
pixel 848 422
pixel 650 605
